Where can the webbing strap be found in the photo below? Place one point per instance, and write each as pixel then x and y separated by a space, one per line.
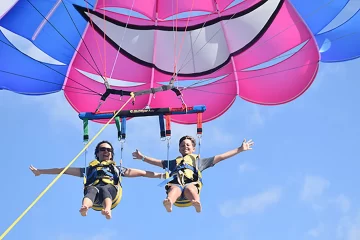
pixel 123 128
pixel 168 125
pixel 86 130
pixel 199 123
pixel 162 126
pixel 118 126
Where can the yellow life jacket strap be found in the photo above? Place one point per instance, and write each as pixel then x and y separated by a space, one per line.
pixel 94 165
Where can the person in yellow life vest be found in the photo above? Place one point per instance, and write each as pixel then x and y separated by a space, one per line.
pixel 102 179
pixel 184 182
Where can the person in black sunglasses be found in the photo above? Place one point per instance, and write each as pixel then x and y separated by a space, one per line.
pixel 102 183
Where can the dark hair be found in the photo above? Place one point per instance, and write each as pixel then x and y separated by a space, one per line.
pixel 188 137
pixel 98 146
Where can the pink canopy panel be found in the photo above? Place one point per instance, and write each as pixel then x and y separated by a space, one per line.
pixel 217 56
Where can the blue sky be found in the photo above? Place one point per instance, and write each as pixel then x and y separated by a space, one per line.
pixel 298 182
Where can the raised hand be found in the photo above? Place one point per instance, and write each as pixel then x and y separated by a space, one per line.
pixel 246 145
pixel 137 155
pixel 35 170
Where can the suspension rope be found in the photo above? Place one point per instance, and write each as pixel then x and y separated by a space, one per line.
pixel 62 172
pixel 85 140
pixel 85 165
pixel 168 154
pixel 121 156
pixel 168 137
pixel 199 130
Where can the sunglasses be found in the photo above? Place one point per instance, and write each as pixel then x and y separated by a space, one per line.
pixel 103 149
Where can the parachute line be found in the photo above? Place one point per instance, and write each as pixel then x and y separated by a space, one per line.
pixel 175 31
pixel 253 47
pixel 194 55
pixel 311 14
pixel 122 39
pixel 276 58
pixel 247 78
pixel 184 35
pixel 97 44
pixel 47 67
pixel 98 70
pixel 61 173
pixel 63 36
pixel 45 81
pixel 104 44
pixel 192 43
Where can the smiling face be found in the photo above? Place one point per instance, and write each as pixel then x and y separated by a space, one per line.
pixel 104 151
pixel 187 145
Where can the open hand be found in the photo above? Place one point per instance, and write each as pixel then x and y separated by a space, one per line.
pixel 35 170
pixel 246 145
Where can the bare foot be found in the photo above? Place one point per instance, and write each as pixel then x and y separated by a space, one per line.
pixel 106 213
pixel 167 204
pixel 83 210
pixel 197 205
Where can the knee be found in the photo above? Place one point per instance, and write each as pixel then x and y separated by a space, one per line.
pixel 105 192
pixel 174 190
pixel 191 189
pixel 92 190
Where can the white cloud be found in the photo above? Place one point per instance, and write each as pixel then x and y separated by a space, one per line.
pixel 354 233
pixel 314 186
pixel 349 228
pixel 258 114
pixel 343 203
pixel 316 232
pixel 245 167
pixel 252 204
pixel 257 117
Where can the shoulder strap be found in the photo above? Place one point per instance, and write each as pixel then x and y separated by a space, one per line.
pixel 94 163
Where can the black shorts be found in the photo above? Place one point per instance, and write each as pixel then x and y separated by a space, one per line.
pixel 99 192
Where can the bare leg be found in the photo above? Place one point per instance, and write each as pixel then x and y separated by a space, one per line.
pixel 107 208
pixel 191 193
pixel 87 203
pixel 173 194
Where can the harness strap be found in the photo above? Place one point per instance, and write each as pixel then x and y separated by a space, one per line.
pixel 118 126
pixel 162 126
pixel 86 130
pixel 175 174
pixel 91 178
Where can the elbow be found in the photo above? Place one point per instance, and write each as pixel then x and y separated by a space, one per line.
pixel 218 158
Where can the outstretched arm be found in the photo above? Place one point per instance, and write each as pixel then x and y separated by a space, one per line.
pixel 244 147
pixel 70 171
pixel 132 172
pixel 153 161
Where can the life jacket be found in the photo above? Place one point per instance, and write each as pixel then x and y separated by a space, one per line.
pixel 105 171
pixel 186 167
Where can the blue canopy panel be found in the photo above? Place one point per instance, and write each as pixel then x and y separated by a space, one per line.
pixel 35 54
pixel 341 43
pixel 318 13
